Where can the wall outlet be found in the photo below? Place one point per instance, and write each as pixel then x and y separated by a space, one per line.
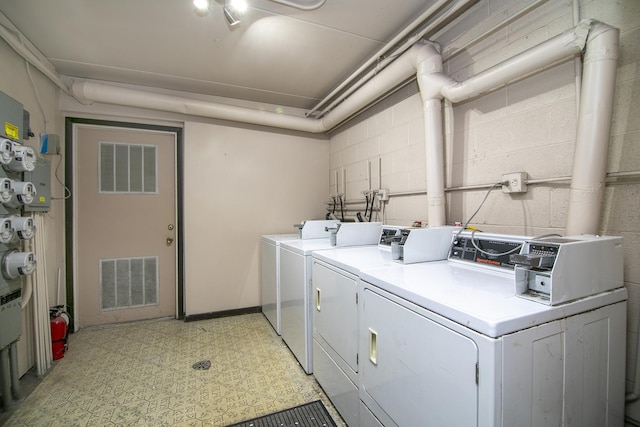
pixel 383 194
pixel 514 182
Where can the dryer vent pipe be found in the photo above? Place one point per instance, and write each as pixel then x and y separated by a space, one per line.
pixel 599 41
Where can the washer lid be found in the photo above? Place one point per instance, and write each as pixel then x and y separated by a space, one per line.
pixel 354 259
pixel 484 301
pixel 306 247
pixel 277 238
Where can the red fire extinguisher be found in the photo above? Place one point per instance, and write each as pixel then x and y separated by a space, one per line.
pixel 59 331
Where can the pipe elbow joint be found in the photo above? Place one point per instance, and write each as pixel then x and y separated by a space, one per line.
pixel 78 89
pixel 431 85
pixel 603 42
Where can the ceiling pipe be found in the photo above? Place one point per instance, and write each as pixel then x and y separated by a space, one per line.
pixel 424 62
pixel 427 14
pixel 88 92
pixel 384 61
pixel 397 72
pixel 560 48
pixel 595 111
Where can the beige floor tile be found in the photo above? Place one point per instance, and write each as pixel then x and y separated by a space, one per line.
pixel 141 374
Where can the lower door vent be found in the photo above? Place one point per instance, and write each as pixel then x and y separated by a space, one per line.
pixel 128 283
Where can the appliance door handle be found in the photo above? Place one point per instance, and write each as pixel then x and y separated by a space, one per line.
pixel 318 299
pixel 373 346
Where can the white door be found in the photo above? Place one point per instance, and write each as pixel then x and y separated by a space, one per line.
pixel 124 202
pixel 420 373
pixel 335 315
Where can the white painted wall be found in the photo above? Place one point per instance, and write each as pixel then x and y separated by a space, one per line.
pixel 15 82
pixel 527 126
pixel 239 185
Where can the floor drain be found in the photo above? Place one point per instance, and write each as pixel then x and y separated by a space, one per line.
pixel 202 365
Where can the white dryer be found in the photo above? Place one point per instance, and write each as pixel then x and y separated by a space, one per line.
pixel 335 318
pixel 295 284
pixel 270 276
pixel 270 264
pixel 452 343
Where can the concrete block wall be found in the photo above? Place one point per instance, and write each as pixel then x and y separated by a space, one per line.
pixel 526 126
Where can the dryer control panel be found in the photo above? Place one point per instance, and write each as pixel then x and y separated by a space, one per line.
pixel 491 250
pixel 562 269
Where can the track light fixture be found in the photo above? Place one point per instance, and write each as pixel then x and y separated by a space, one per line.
pixel 202 7
pixel 233 9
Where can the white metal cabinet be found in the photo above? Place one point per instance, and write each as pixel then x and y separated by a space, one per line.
pixel 419 372
pixel 567 373
pixel 335 313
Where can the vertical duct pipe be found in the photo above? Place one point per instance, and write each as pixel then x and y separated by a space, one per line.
pixel 428 63
pixel 594 128
pixel 434 151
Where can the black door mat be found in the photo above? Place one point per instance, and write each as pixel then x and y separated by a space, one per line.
pixel 312 414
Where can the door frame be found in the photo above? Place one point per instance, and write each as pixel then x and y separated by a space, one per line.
pixel 70 214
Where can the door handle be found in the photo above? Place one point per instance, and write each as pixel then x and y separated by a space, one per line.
pixel 318 299
pixel 373 347
pixel 169 241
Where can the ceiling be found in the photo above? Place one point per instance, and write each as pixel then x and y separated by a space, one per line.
pixel 277 55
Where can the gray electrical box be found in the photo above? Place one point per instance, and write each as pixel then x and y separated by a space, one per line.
pixel 10 311
pixel 12 118
pixel 40 177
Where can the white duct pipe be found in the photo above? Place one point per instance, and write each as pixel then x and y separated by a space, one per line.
pixel 385 49
pixel 561 47
pixel 596 108
pixel 383 62
pixel 428 64
pixel 594 127
pixel 435 162
pixel 399 71
pixel 424 60
pixel 90 92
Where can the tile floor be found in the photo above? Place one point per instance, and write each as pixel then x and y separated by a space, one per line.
pixel 141 374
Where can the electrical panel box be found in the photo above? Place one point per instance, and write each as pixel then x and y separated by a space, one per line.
pixel 10 311
pixel 40 176
pixel 12 118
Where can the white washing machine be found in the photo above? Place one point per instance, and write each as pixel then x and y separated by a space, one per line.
pixel 295 284
pixel 452 342
pixel 270 264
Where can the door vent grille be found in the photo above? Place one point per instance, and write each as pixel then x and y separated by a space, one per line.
pixel 128 283
pixel 127 168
